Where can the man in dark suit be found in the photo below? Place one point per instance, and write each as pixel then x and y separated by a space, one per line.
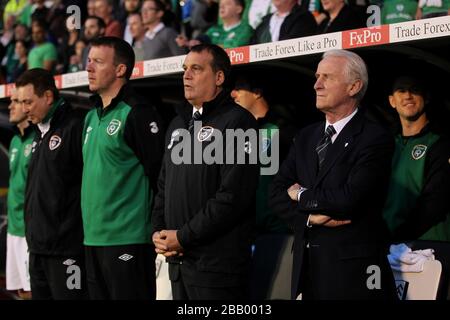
pixel 331 190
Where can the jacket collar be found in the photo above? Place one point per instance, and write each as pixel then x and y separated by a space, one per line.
pixel 56 112
pixel 209 108
pixel 26 132
pixel 96 100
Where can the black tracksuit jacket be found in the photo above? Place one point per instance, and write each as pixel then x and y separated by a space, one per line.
pixel 211 205
pixel 53 224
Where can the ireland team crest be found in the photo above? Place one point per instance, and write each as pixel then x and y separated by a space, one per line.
pixel 418 151
pixel 27 150
pixel 55 142
pixel 205 133
pixel 113 127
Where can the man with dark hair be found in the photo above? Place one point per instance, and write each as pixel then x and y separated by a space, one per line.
pixel 276 138
pixel 160 39
pixel 417 203
pixel 206 234
pixel 43 55
pixel 54 230
pixel 94 27
pixel 122 149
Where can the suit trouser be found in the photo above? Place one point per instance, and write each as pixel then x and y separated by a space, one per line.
pixel 191 291
pixel 121 272
pixel 57 278
pixel 305 280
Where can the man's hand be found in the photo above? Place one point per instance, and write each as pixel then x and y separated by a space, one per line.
pixel 332 223
pixel 293 191
pixel 166 243
pixel 326 221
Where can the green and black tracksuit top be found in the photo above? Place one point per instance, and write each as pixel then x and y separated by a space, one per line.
pixel 270 125
pixel 417 202
pixel 52 202
pixel 19 157
pixel 122 151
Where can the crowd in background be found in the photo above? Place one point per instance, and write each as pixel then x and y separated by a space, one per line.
pixel 38 33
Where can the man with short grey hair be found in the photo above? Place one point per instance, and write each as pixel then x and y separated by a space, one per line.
pixel 331 191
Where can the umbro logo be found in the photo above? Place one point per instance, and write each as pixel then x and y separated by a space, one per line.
pixel 126 257
pixel 69 262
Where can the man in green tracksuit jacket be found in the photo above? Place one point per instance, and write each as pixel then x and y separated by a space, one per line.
pixel 417 204
pixel 17 275
pixel 122 150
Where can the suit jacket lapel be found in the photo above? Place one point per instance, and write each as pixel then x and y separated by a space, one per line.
pixel 312 160
pixel 340 145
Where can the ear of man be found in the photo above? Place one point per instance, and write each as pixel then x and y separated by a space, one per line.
pixel 355 87
pixel 49 97
pixel 220 78
pixel 121 70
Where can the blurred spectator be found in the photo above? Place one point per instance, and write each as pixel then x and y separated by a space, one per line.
pixel 339 17
pixel 137 30
pixel 90 8
pixel 94 27
pixel 39 11
pixel 66 46
pixel 202 15
pixel 258 9
pixel 232 33
pixel 21 52
pixel 11 60
pixel 76 60
pixel 394 11
pixel 43 55
pixel 104 10
pixel 289 21
pixel 56 19
pixel 432 8
pixel 160 39
pixel 130 7
pixel 25 16
pixel 13 8
pixel 8 31
pixel 171 18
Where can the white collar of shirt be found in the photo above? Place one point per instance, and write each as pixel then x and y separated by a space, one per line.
pixel 231 27
pixel 152 33
pixel 276 21
pixel 339 125
pixel 194 110
pixel 44 127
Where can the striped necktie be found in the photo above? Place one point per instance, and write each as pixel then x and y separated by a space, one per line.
pixel 196 116
pixel 322 147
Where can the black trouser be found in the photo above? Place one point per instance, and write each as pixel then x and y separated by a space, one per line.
pixel 59 278
pixel 121 272
pixel 305 279
pixel 190 291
